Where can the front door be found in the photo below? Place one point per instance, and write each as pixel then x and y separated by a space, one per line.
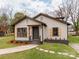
pixel 35 33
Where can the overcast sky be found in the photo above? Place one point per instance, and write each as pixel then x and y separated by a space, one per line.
pixel 31 6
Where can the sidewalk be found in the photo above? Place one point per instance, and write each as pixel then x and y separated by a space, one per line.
pixel 17 49
pixel 75 46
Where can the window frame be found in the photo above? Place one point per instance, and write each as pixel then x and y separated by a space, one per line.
pixel 22 32
pixel 55 31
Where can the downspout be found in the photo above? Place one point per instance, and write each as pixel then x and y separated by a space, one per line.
pixel 67 35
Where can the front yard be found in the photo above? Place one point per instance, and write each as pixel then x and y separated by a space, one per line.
pixel 4 42
pixel 58 48
pixel 33 54
pixel 36 54
pixel 73 39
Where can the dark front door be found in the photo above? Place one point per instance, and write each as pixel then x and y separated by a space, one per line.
pixel 35 33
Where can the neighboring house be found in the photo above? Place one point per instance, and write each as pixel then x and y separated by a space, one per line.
pixel 41 27
pixel 71 30
pixel 3 30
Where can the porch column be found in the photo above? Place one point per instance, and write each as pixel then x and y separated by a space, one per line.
pixel 29 33
pixel 42 34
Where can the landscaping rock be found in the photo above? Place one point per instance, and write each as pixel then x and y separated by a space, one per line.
pixel 71 56
pixel 45 50
pixel 41 49
pixel 65 54
pixel 51 52
pixel 77 57
pixel 59 53
pixel 37 48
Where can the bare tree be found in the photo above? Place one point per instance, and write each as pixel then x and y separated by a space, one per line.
pixel 10 15
pixel 8 11
pixel 70 10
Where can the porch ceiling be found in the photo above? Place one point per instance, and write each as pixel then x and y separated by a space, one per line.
pixel 36 24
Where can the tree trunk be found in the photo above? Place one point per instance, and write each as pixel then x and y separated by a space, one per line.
pixel 76 30
pixel 77 33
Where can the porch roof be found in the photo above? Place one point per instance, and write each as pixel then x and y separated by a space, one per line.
pixel 33 25
pixel 13 24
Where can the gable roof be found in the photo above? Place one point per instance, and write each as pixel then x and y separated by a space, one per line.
pixel 16 22
pixel 34 18
pixel 53 18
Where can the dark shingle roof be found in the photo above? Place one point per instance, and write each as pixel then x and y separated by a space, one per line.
pixel 14 23
pixel 34 18
pixel 53 18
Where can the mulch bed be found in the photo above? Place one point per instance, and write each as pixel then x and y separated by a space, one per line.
pixel 19 42
pixel 57 41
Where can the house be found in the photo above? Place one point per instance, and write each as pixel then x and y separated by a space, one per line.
pixel 3 27
pixel 71 30
pixel 40 28
pixel 3 30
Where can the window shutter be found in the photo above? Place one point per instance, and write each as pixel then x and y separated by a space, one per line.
pixel 60 32
pixel 51 33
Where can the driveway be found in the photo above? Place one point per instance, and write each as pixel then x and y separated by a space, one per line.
pixel 17 49
pixel 75 46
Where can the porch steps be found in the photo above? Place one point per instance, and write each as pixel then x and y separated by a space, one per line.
pixel 35 42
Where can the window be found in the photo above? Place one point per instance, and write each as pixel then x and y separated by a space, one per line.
pixel 55 31
pixel 22 32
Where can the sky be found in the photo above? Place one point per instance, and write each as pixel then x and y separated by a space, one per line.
pixel 31 7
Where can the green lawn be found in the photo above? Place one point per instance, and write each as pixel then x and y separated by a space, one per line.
pixel 59 48
pixel 73 39
pixel 33 54
pixel 4 42
pixel 36 54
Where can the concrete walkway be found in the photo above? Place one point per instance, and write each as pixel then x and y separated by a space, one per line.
pixel 75 46
pixel 17 49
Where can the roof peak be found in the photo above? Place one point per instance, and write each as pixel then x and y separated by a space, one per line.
pixel 46 15
pixel 39 14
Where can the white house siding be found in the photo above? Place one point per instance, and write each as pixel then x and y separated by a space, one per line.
pixel 22 24
pixel 44 32
pixel 40 33
pixel 53 23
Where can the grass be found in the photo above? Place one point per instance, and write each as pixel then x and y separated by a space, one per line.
pixel 59 48
pixel 73 39
pixel 4 42
pixel 33 54
pixel 36 54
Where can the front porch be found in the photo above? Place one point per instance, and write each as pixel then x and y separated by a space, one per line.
pixel 30 30
pixel 30 33
pixel 35 33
